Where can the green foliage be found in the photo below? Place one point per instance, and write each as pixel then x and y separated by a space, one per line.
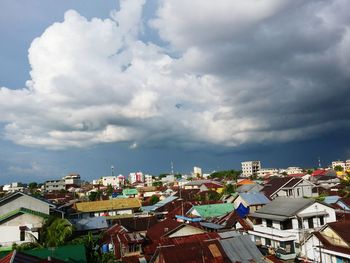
pixel 109 190
pixel 321 197
pixel 108 258
pixel 33 185
pixel 178 176
pixel 91 245
pixel 160 176
pixel 157 183
pixel 229 189
pixel 228 174
pixel 55 232
pixel 95 196
pixel 154 199
pixel 338 168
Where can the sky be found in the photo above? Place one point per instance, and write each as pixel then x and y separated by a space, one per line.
pixel 87 84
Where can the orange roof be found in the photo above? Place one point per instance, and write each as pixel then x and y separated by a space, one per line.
pixel 245 181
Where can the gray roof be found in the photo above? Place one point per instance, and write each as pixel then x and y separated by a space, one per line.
pixel 249 188
pixel 90 223
pixel 211 225
pixel 283 207
pixel 241 249
pixel 255 198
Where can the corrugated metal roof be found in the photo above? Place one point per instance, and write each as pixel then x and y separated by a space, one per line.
pixel 211 225
pixel 284 206
pixel 213 210
pixel 249 188
pixel 254 198
pixel 331 199
pixel 107 205
pixel 241 249
pixel 90 223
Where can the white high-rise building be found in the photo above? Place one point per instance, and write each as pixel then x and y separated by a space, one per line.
pixel 148 180
pixel 197 171
pixel 250 168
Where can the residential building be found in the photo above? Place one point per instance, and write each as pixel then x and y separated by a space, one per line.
pixel 148 180
pixel 250 168
pixel 136 177
pixel 109 208
pixel 330 244
pixel 253 201
pixel 291 170
pixel 110 180
pixel 266 172
pixel 283 223
pixel 21 217
pixel 211 211
pixel 249 188
pixel 13 187
pixel 197 172
pixel 342 164
pixel 55 185
pixel 72 180
pixel 288 186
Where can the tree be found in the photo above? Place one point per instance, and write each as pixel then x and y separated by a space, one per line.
pixel 91 244
pixel 157 183
pixel 229 189
pixel 228 174
pixel 56 231
pixel 33 185
pixel 95 196
pixel 109 190
pixel 338 168
pixel 154 199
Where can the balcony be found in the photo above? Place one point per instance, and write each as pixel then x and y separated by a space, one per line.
pixel 281 253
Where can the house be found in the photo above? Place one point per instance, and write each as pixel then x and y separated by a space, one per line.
pixel 130 192
pixel 122 242
pixel 288 186
pixel 326 181
pixel 344 203
pixel 330 244
pixel 212 186
pixel 110 208
pixel 249 188
pixel 208 248
pixel 21 217
pixel 211 211
pixel 284 222
pixel 253 201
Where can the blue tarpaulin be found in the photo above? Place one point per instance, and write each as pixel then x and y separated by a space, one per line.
pixel 242 211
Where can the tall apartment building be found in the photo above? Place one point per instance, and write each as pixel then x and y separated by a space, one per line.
pixel 250 168
pixel 197 171
pixel 136 177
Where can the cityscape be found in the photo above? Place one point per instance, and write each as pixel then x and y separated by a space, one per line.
pixel 174 131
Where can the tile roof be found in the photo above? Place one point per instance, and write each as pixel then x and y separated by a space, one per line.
pixel 107 205
pixel 245 181
pixel 213 210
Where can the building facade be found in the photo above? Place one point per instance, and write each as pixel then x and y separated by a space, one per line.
pixel 250 168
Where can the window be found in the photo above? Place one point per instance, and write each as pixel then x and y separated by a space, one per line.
pixel 268 223
pixel 311 222
pixel 321 220
pixel 22 235
pixel 267 242
pixel 298 191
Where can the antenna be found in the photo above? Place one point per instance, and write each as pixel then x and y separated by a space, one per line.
pixel 319 162
pixel 112 170
pixel 172 167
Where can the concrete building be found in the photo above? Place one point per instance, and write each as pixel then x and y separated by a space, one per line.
pixel 291 170
pixel 110 180
pixel 55 185
pixel 136 177
pixel 21 217
pixel 283 223
pixel 72 180
pixel 197 172
pixel 13 187
pixel 250 168
pixel 148 180
pixel 266 171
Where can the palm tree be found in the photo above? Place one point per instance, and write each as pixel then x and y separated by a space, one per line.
pixel 55 232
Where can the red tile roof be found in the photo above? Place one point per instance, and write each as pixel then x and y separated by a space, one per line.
pixel 319 172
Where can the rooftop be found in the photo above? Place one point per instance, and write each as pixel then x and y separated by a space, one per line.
pixel 106 205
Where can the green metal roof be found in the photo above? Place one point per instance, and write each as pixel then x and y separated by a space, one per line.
pixel 70 253
pixel 130 191
pixel 214 210
pixel 23 211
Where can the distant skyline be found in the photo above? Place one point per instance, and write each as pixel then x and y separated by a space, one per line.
pixel 87 84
